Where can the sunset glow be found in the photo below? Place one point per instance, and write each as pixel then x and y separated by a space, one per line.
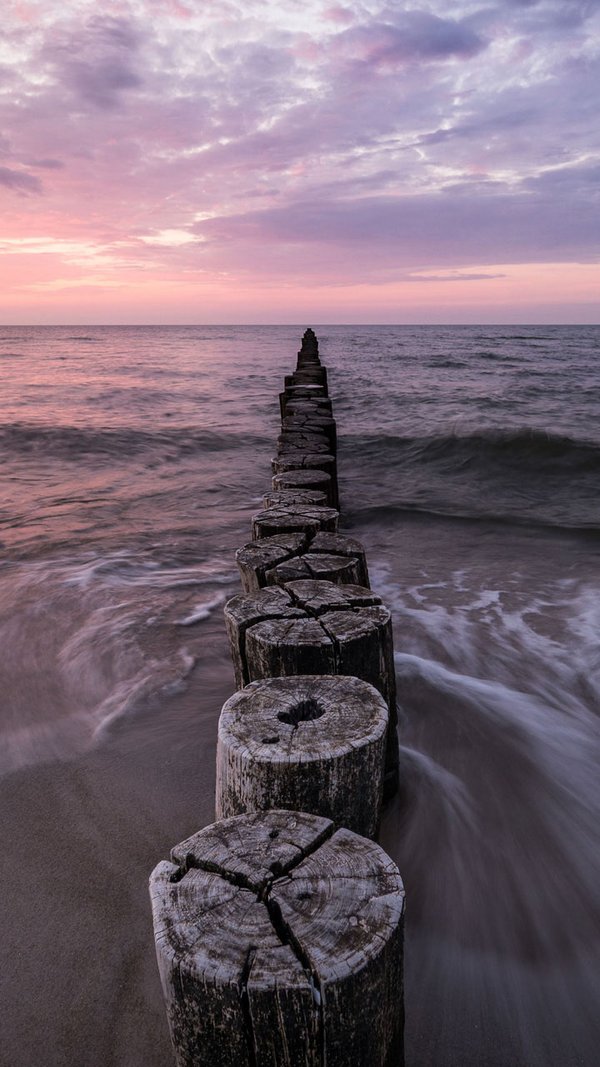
pixel 167 161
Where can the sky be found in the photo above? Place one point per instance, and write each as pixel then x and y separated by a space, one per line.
pixel 178 161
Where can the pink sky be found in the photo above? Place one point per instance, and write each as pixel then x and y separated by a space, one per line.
pixel 169 161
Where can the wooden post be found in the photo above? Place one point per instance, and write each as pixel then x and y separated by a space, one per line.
pixel 285 557
pixel 314 403
pixel 243 611
pixel 279 942
pixel 298 459
pixel 305 743
pixel 302 388
pixel 296 443
pixel 309 376
pixel 257 558
pixel 308 406
pixel 290 518
pixel 311 424
pixel 306 479
pixel 324 630
pixel 286 497
pixel 311 442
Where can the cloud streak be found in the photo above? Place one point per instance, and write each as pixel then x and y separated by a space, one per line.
pixel 22 182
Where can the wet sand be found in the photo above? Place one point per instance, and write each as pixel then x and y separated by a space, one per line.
pixel 78 840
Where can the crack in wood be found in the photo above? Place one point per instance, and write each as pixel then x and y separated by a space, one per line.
pixel 287 937
pixel 241 881
pixel 245 1004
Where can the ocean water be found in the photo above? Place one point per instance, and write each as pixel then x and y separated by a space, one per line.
pixel 132 459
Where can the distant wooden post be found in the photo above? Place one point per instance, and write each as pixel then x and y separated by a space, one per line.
pixel 290 556
pixel 299 459
pixel 308 405
pixel 279 942
pixel 311 424
pixel 301 518
pixel 314 445
pixel 307 743
pixel 284 497
pixel 314 479
pixel 306 439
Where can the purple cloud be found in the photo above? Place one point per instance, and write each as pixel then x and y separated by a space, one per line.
pixel 457 227
pixel 406 36
pixel 46 164
pixel 20 181
pixel 97 61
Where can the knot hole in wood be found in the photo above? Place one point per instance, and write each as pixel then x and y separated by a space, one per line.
pixel 304 711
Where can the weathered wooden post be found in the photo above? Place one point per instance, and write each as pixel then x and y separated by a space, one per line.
pixel 309 405
pixel 298 459
pixel 306 743
pixel 311 424
pixel 310 442
pixel 292 458
pixel 306 479
pixel 290 556
pixel 294 518
pixel 279 942
pixel 284 497
pixel 325 629
pixel 289 443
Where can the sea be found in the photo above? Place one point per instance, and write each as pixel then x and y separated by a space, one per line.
pixel 132 459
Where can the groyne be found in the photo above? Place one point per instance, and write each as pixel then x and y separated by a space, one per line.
pixel 279 928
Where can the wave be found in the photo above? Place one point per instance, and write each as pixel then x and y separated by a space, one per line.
pixel 517 476
pixel 73 442
pixel 448 363
pixel 511 448
pixel 381 513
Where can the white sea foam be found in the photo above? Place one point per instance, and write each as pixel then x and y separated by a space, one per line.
pixel 90 640
pixel 202 611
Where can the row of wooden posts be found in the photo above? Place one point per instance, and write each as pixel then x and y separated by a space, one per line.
pixel 279 928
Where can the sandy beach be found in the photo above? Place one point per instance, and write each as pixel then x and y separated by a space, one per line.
pixel 78 841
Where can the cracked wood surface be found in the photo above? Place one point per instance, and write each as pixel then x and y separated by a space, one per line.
pixel 285 497
pixel 305 479
pixel 290 443
pixel 308 423
pixel 294 518
pixel 309 405
pixel 300 459
pixel 319 629
pixel 279 942
pixel 245 610
pixel 307 743
pixel 323 555
pixel 307 438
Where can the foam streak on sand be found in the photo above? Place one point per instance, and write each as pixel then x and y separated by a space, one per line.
pixel 111 649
